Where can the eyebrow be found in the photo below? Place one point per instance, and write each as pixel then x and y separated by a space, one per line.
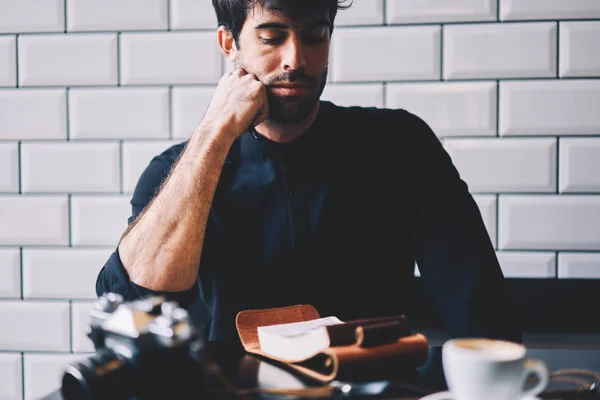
pixel 278 25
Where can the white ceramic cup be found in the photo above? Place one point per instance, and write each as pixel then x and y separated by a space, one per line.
pixel 477 368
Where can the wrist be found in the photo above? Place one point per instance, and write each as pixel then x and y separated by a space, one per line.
pixel 217 129
pixel 212 130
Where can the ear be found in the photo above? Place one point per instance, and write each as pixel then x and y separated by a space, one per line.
pixel 226 43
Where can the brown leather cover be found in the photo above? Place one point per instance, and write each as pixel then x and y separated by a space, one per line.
pixel 346 362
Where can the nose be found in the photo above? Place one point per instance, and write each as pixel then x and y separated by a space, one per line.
pixel 293 57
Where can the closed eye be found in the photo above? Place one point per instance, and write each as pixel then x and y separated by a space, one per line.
pixel 272 40
pixel 316 35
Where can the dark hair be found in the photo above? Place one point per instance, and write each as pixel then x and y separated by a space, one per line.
pixel 232 14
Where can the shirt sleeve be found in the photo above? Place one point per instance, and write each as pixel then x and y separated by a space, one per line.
pixel 113 276
pixel 453 249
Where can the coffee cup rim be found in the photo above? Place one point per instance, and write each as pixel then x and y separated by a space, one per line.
pixel 454 344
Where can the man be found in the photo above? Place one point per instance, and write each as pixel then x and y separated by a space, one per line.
pixel 279 198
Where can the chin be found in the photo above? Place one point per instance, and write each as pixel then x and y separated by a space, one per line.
pixel 291 110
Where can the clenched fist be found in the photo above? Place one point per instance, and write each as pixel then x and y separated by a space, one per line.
pixel 239 102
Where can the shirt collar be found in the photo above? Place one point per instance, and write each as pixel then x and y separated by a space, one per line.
pixel 254 145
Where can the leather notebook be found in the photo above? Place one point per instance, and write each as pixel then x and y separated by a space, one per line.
pixel 374 346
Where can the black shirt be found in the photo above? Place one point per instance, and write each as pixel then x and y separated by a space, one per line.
pixel 337 219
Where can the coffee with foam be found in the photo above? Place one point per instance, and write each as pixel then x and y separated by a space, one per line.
pixel 492 349
pixel 481 368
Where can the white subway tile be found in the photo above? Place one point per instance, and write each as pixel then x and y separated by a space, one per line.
pixel 44 272
pixel 348 95
pixel 488 208
pixel 74 59
pixel 8 60
pixel 577 41
pixel 500 50
pixel 193 14
pixel 365 54
pixel 505 165
pixel 80 311
pixel 43 373
pixel 34 326
pixel 116 15
pixel 10 273
pixel 189 105
pixel 410 11
pixel 11 376
pixel 34 220
pixel 70 167
pixel 550 107
pixel 33 114
pixel 99 220
pixel 449 108
pixel 136 157
pixel 9 167
pixel 565 222
pixel 170 58
pixel 548 9
pixel 579 163
pixel 119 113
pixel 32 16
pixel 527 265
pixel 579 265
pixel 361 12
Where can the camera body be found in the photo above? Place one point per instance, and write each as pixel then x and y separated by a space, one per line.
pixel 144 349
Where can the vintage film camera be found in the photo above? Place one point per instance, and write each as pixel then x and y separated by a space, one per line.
pixel 144 349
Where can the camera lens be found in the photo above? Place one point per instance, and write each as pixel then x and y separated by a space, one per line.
pixel 104 375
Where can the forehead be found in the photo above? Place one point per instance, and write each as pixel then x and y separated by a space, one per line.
pixel 291 14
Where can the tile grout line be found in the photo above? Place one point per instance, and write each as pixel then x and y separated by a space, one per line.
pixel 65 12
pixel 70 213
pixel 497 10
pixel 168 15
pixel 118 59
pixel 557 49
pixel 497 222
pixel 498 108
pixel 442 29
pixel 121 184
pixel 71 325
pixel 68 116
pixel 171 112
pixel 17 60
pixel 20 161
pixel 21 270
pixel 213 85
pixel 557 189
pixel 23 375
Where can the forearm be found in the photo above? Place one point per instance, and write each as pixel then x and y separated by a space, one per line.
pixel 161 249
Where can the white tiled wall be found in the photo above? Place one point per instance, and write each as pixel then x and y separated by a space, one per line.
pixel 91 90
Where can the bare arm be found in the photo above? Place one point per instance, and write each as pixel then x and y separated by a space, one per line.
pixel 161 249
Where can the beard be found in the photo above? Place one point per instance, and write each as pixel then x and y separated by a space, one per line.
pixel 291 109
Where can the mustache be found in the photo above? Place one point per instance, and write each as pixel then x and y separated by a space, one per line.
pixel 296 76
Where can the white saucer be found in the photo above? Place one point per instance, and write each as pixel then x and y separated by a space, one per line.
pixel 448 396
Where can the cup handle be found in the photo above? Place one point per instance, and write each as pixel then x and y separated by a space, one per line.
pixel 540 369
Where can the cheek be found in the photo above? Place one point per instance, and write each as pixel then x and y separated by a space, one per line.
pixel 266 59
pixel 317 60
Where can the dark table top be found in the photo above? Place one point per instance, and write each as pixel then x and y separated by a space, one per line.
pixel 236 374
